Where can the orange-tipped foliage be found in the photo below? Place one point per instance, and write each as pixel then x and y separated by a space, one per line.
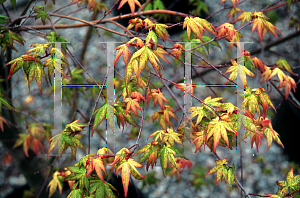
pixel 158 97
pixel 177 50
pixel 127 167
pixel 137 23
pixel 131 5
pixel 197 25
pixel 262 25
pixel 234 2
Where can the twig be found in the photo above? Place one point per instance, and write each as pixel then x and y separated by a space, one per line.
pixel 44 184
pixel 240 185
pixel 143 111
pixel 6 12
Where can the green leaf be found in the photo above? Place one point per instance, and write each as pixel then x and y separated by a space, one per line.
pixel 41 13
pixel 250 66
pixel 63 141
pixel 77 193
pixel 221 169
pixel 101 189
pixel 168 153
pixel 78 174
pixel 151 36
pixel 57 38
pixel 13 3
pixel 282 63
pixel 75 126
pixel 291 183
pixel 3 19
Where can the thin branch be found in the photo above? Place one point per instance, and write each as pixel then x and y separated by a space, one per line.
pixel 107 13
pixel 143 111
pixel 45 182
pixel 240 185
pixel 6 12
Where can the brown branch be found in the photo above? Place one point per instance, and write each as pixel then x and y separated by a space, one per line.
pixel 85 23
pixel 276 42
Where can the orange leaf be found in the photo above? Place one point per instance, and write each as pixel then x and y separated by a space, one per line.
pixel 128 167
pixel 158 97
pixel 262 25
pixel 122 49
pixel 132 104
pixel 131 5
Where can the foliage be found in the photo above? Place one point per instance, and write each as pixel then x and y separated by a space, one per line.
pixel 211 122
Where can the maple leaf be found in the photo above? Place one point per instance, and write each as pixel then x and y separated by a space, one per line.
pixel 50 63
pixel 137 23
pixel 170 136
pixel 200 112
pixel 279 194
pixel 32 66
pixel 263 25
pixel 166 154
pixel 41 13
pixel 288 84
pixel 218 128
pixel 137 95
pixel 78 174
pixel 131 5
pixel 255 138
pixel 245 16
pixel 279 73
pixel 8 39
pixel 270 134
pixel 180 166
pixel 1 123
pixel 291 183
pixel 199 140
pixel 128 167
pixel 98 166
pixel 161 31
pixel 282 63
pixel 75 193
pixel 100 189
pixel 151 36
pixel 226 29
pixel 233 12
pixel 163 116
pixel 240 70
pixel 99 117
pixel 56 182
pixel 39 49
pixel 160 52
pixel 221 169
pixel 187 88
pixel 267 73
pixel 264 100
pixel 259 64
pixel 53 37
pixel 197 25
pixel 7 159
pixel 122 154
pixel 122 50
pixel 234 2
pixel 25 140
pixel 177 50
pixel 132 104
pixel 228 107
pixel 158 97
pixel 150 151
pixel 75 126
pixel 212 102
pixel 63 140
pixel 121 111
